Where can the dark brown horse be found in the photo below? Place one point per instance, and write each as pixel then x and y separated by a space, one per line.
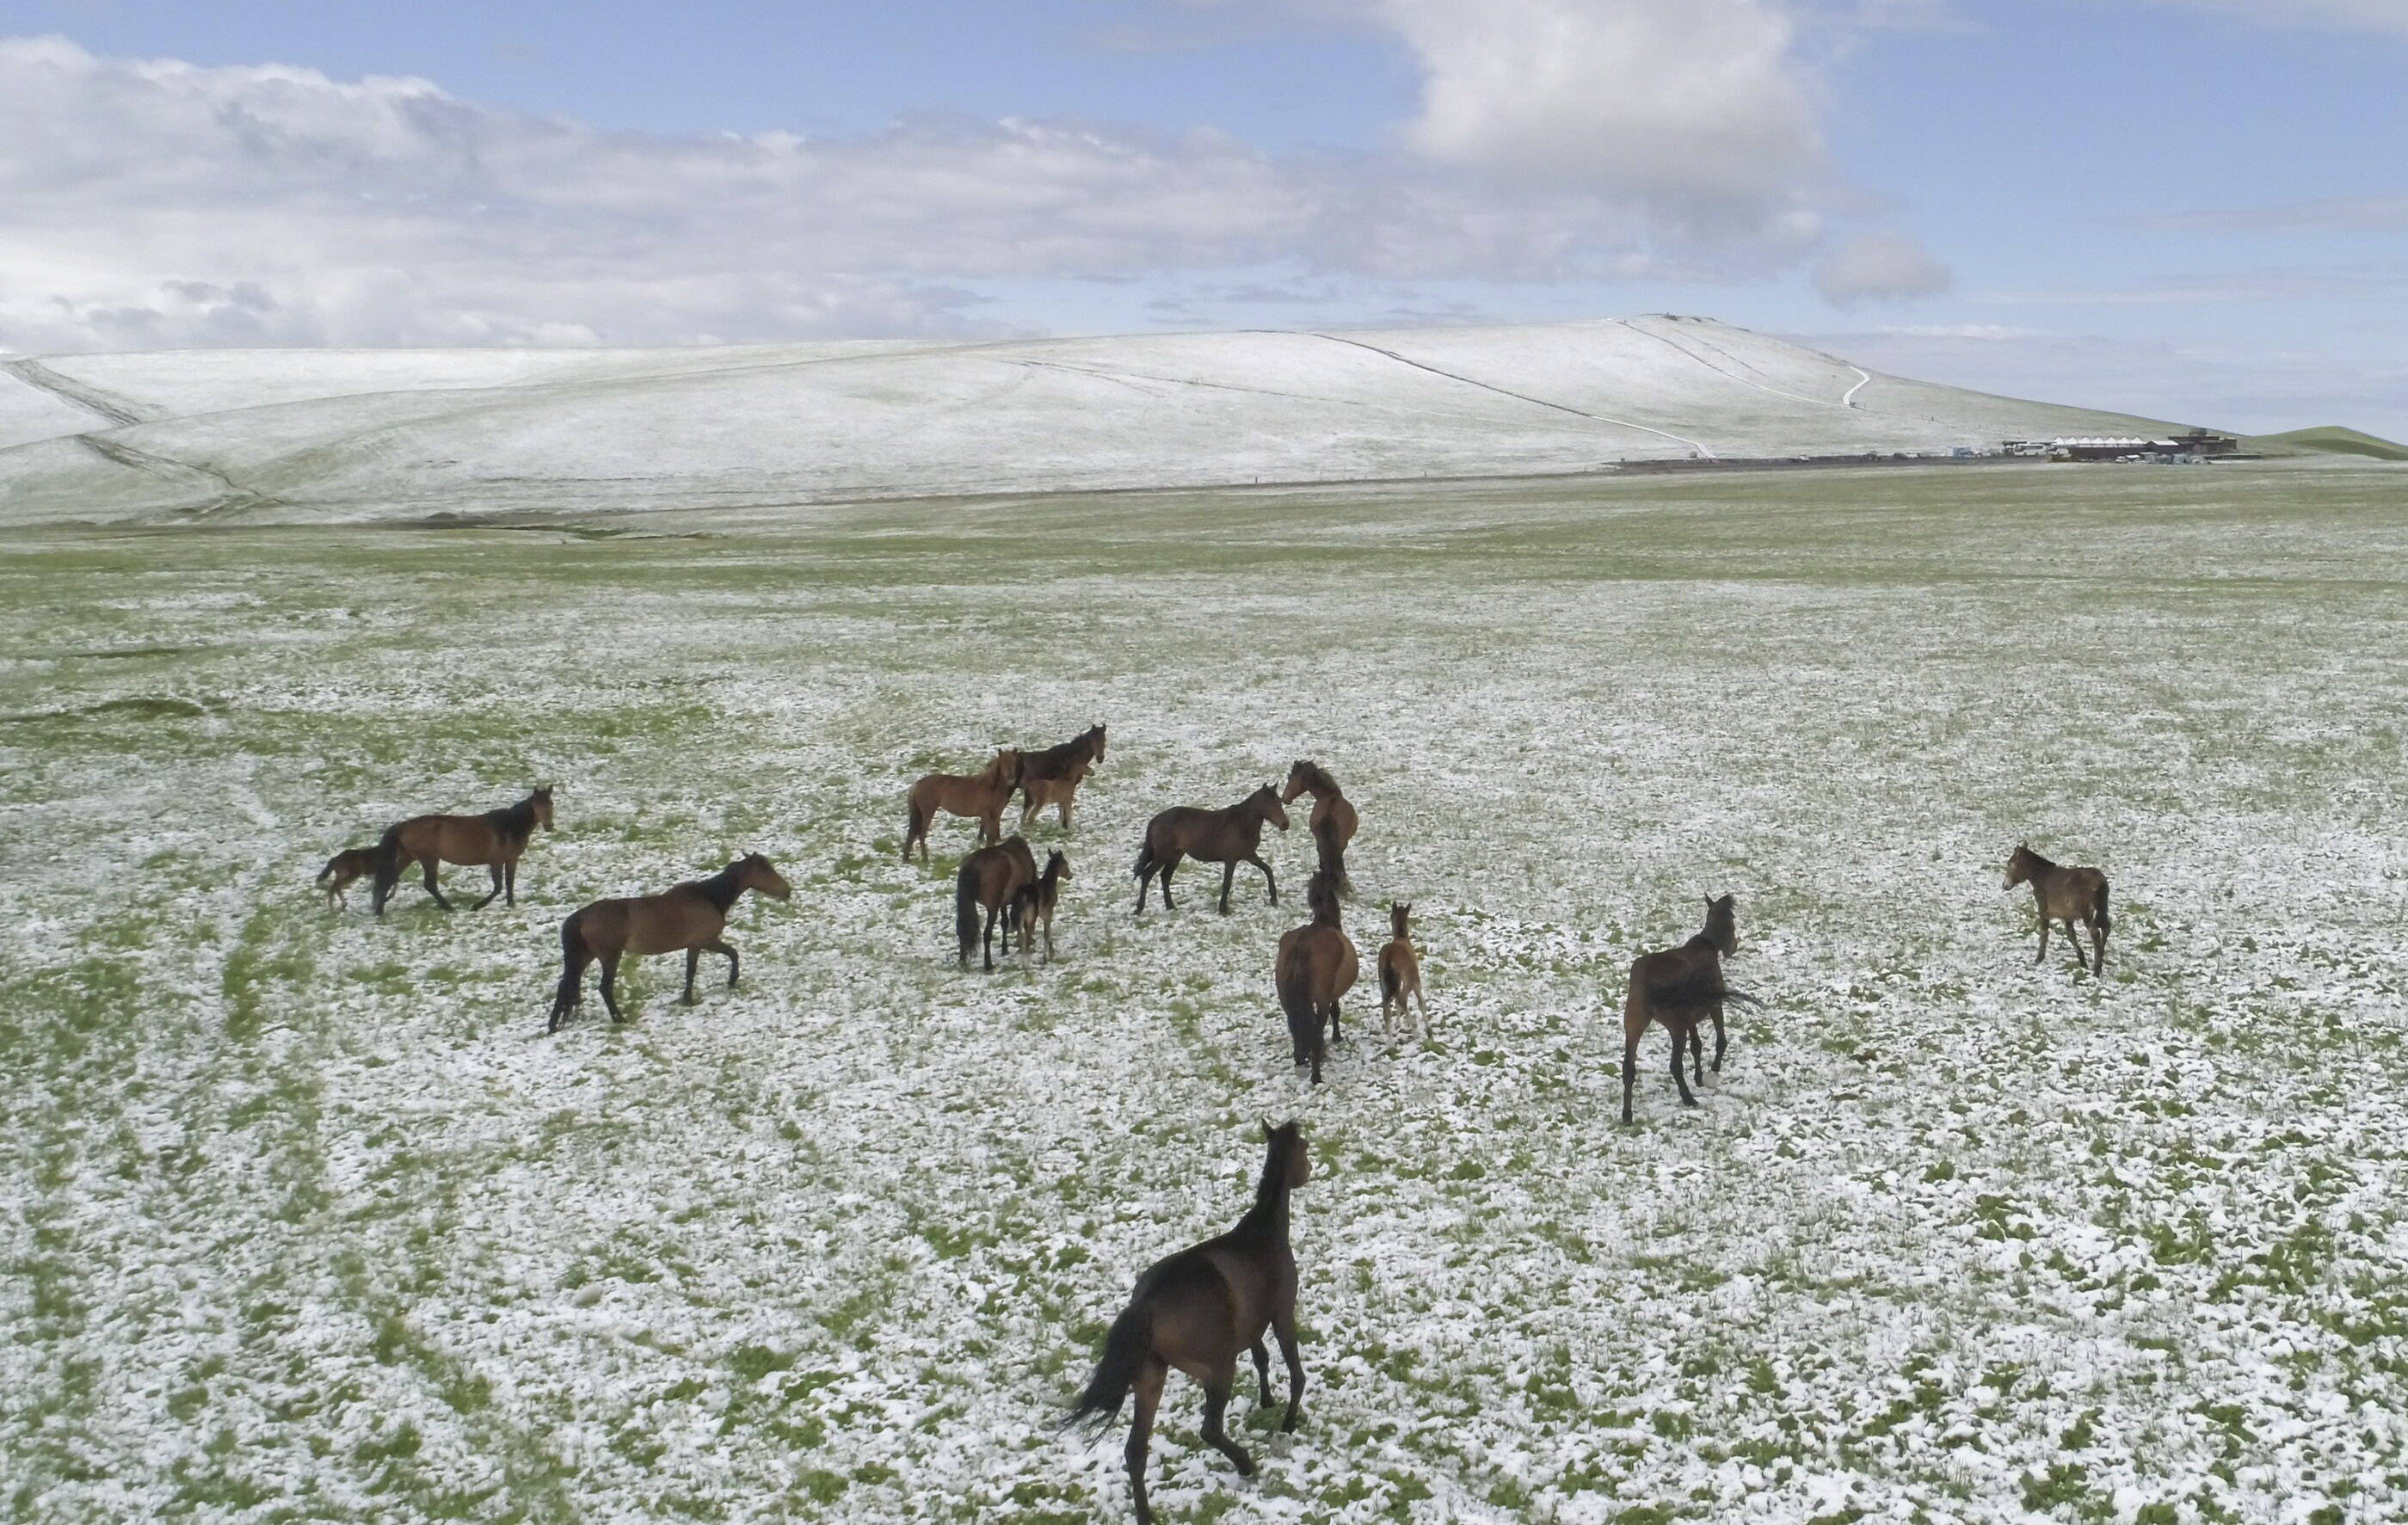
pixel 1401 974
pixel 690 917
pixel 1052 775
pixel 1227 837
pixel 980 796
pixel 344 867
pixel 990 881
pixel 1332 822
pixel 1679 988
pixel 1033 906
pixel 1316 965
pixel 495 839
pixel 1197 1311
pixel 2067 895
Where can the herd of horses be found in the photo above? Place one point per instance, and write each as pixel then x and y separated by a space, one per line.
pixel 1199 1310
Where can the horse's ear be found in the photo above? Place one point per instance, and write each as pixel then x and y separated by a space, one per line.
pixel 1268 1129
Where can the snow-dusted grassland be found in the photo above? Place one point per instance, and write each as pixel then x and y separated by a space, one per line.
pixel 305 1219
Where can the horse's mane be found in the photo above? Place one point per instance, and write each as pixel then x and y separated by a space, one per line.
pixel 1315 779
pixel 1271 1185
pixel 516 821
pixel 720 889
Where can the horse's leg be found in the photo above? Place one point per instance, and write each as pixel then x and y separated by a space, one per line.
pixel 2098 941
pixel 2044 940
pixel 1269 881
pixel 1722 1040
pixel 693 961
pixel 1284 1326
pixel 1319 1045
pixel 1631 1036
pixel 1228 874
pixel 1147 1387
pixel 719 945
pixel 1216 1404
pixel 1049 936
pixel 610 985
pixel 1063 804
pixel 986 939
pixel 1678 1079
pixel 1263 1369
pixel 511 882
pixel 494 893
pixel 2079 956
pixel 433 887
pixel 1697 1054
pixel 1337 1031
pixel 1168 864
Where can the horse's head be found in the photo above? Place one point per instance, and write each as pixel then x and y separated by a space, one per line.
pixel 1095 733
pixel 1266 802
pixel 541 800
pixel 1008 766
pixel 1721 924
pixel 1287 1147
pixel 753 873
pixel 1399 912
pixel 2020 864
pixel 1299 779
pixel 1057 866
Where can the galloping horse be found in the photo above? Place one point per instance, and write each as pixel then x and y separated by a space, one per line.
pixel 990 881
pixel 495 839
pixel 1679 988
pixel 1227 837
pixel 980 796
pixel 1197 1310
pixel 690 917
pixel 1332 822
pixel 1400 974
pixel 1053 776
pixel 2064 895
pixel 1316 965
pixel 342 869
pixel 1034 905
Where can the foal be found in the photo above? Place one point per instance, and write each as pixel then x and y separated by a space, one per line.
pixel 1316 965
pixel 1053 776
pixel 990 881
pixel 1034 905
pixel 1332 822
pixel 497 839
pixel 341 870
pixel 1679 988
pixel 1401 974
pixel 690 917
pixel 1198 1309
pixel 1227 837
pixel 980 796
pixel 2065 894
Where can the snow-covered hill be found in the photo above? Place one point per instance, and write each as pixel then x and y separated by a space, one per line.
pixel 337 434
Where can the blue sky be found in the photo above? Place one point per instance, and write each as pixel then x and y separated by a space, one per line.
pixel 2192 208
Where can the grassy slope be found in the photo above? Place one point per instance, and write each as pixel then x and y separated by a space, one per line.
pixel 310 1223
pixel 2333 439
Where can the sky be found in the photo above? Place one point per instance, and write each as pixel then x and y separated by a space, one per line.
pixel 2196 209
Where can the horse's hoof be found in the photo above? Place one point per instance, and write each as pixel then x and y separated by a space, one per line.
pixel 689 1000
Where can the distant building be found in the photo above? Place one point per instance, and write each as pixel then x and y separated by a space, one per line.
pixel 2192 446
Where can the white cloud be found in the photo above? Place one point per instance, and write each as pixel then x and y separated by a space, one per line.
pixel 157 203
pixel 2369 15
pixel 1878 266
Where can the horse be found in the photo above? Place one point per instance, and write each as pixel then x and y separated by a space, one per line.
pixel 990 881
pixel 690 917
pixel 2065 894
pixel 495 839
pixel 1052 775
pixel 1400 974
pixel 1034 905
pixel 979 796
pixel 1332 822
pixel 1679 988
pixel 1227 837
pixel 1316 965
pixel 342 869
pixel 1197 1310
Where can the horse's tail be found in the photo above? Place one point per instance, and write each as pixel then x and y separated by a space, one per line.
pixel 1146 862
pixel 326 874
pixel 388 866
pixel 915 825
pixel 2099 916
pixel 965 908
pixel 1695 992
pixel 1392 978
pixel 1124 1350
pixel 572 969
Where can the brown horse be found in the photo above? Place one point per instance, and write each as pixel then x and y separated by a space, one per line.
pixel 1400 974
pixel 690 917
pixel 980 796
pixel 990 881
pixel 495 839
pixel 1227 837
pixel 1198 1310
pixel 1332 822
pixel 1679 988
pixel 1034 905
pixel 1315 965
pixel 2067 895
pixel 342 869
pixel 1053 776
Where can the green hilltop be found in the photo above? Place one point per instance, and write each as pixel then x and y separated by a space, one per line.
pixel 2333 439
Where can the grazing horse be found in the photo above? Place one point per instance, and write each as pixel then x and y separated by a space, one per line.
pixel 990 881
pixel 690 917
pixel 1679 988
pixel 1053 776
pixel 1034 905
pixel 2065 894
pixel 1332 822
pixel 1198 1310
pixel 980 795
pixel 1400 974
pixel 1227 837
pixel 495 839
pixel 342 869
pixel 1316 965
